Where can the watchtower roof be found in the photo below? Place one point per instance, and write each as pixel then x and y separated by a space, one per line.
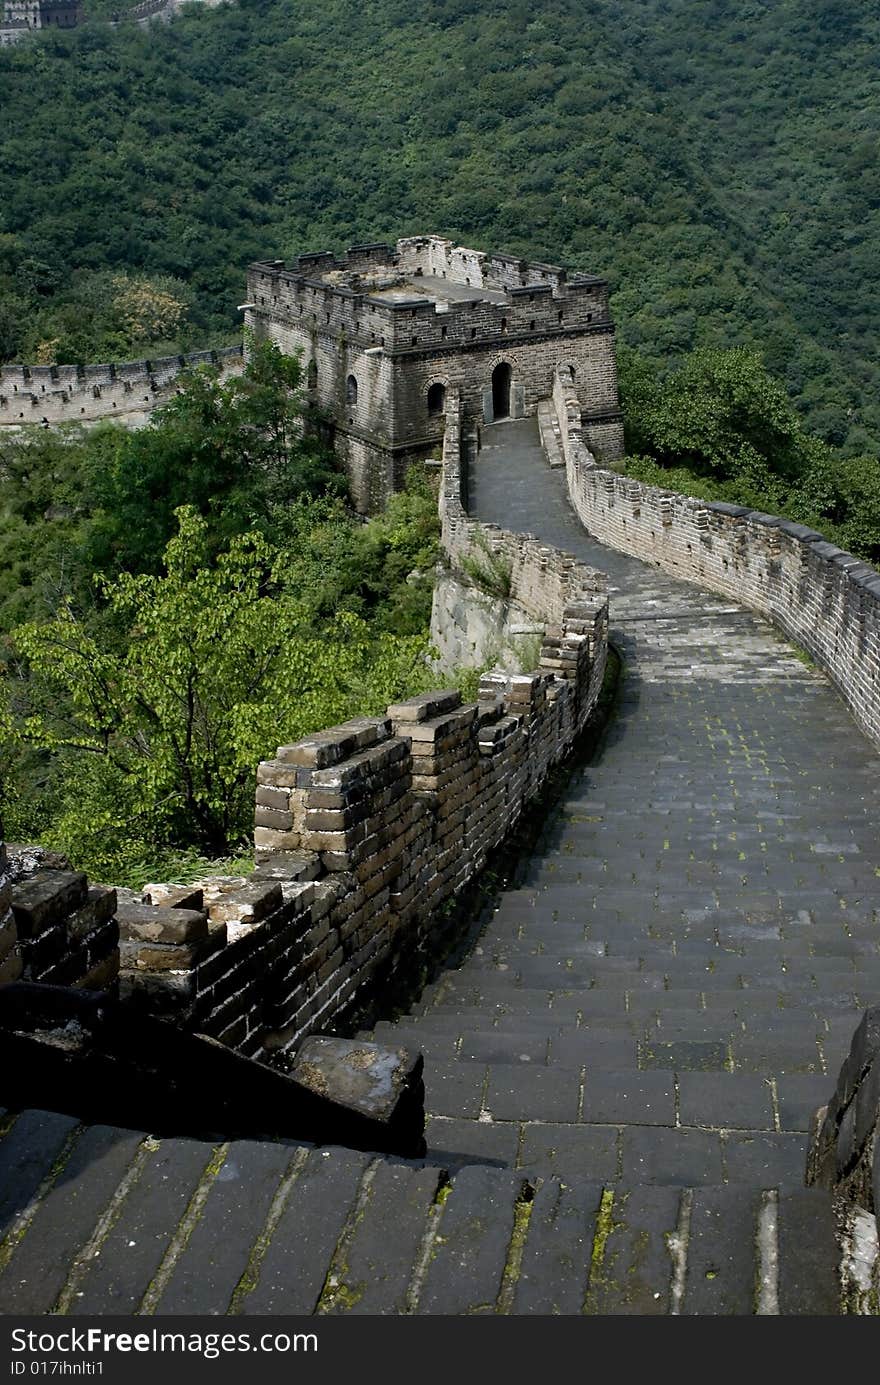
pixel 440 292
pixel 419 271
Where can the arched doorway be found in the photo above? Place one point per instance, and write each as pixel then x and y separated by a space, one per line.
pixel 436 399
pixel 501 391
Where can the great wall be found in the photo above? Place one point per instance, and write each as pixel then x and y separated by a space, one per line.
pixel 127 392
pixel 625 1077
pixel 21 19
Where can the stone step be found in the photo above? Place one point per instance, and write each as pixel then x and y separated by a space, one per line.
pixel 248 1228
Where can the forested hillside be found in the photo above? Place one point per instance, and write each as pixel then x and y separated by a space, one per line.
pixel 717 160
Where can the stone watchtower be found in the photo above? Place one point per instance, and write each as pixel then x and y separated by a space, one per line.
pixel 384 332
pixel 20 17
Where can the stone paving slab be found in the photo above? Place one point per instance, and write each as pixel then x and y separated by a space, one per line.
pixel 27 1153
pixel 289 1277
pixel 116 1278
pixel 470 1252
pixel 65 1218
pixel 632 1270
pixel 207 1270
pixel 370 1280
pixel 620 1076
pixel 555 1264
pixel 722 1260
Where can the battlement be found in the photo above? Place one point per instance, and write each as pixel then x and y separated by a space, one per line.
pixel 127 390
pixel 386 330
pixel 19 17
pixel 425 293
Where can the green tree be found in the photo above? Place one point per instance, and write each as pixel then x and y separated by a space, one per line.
pixel 158 741
pixel 720 414
pixel 235 449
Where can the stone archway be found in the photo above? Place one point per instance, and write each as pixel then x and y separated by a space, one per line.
pixel 501 382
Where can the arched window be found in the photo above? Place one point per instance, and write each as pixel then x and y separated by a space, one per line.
pixel 312 375
pixel 436 399
pixel 351 391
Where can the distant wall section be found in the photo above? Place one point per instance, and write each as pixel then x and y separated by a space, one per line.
pixel 130 391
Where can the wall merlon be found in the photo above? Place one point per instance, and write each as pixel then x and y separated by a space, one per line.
pixel 127 390
pixel 824 599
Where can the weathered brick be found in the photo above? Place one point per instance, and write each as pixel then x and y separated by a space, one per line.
pixel 174 896
pixel 46 899
pixel 100 907
pixel 153 924
pixel 11 968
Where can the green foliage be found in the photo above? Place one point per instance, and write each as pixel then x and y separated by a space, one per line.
pixel 49 315
pixel 492 573
pixel 635 145
pixel 157 739
pixel 721 428
pixel 78 502
pixel 720 414
pixel 382 570
pixel 182 599
pixel 233 449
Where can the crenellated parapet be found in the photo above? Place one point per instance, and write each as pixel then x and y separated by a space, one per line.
pixel 366 833
pixel 128 391
pixel 387 331
pixel 819 596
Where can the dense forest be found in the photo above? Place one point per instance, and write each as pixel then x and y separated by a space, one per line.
pixel 710 158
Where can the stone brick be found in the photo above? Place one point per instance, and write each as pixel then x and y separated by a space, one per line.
pixel 100 907
pixel 174 896
pixel 143 956
pixel 102 975
pixel 247 904
pixel 425 706
pixel 11 968
pixel 8 937
pixel 47 899
pixel 149 924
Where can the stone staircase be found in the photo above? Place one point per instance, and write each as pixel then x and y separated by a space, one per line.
pixel 100 1220
pixel 621 1076
pixel 665 1000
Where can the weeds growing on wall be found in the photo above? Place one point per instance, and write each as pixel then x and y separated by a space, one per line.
pixel 491 573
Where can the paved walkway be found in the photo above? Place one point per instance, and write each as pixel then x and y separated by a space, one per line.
pixel 619 1078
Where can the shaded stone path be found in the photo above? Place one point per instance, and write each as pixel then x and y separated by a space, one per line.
pixel 621 1074
pixel 671 994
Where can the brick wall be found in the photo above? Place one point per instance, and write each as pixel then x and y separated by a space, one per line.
pixel 364 833
pixel 54 928
pixel 823 599
pixel 396 349
pixel 72 393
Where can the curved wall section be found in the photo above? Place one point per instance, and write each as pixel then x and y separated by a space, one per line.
pixel 366 832
pixel 822 598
